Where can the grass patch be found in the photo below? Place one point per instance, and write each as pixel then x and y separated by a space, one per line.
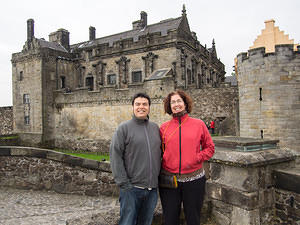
pixel 9 137
pixel 86 155
pixel 91 156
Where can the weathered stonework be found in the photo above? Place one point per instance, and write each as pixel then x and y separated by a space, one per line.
pixel 74 96
pixel 269 91
pixel 241 185
pixel 6 118
pixel 241 188
pixel 41 169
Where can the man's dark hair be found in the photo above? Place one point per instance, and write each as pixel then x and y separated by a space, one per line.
pixel 141 95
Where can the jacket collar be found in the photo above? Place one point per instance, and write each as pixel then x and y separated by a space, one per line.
pixel 181 117
pixel 140 121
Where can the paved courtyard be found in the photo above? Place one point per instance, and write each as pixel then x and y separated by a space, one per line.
pixel 29 207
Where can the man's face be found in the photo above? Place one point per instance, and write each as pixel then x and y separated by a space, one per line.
pixel 141 107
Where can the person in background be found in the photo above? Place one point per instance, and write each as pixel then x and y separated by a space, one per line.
pixel 135 158
pixel 186 145
pixel 212 126
pixel 207 125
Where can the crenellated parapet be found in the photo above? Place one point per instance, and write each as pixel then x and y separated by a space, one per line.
pixel 283 50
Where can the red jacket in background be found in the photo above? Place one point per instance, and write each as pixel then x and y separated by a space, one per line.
pixel 212 124
pixel 196 145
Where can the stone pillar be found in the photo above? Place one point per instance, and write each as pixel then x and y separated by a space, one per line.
pixel 241 187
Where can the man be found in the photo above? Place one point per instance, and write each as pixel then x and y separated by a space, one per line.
pixel 135 162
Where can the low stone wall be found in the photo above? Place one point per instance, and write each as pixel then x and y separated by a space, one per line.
pixel 42 169
pixel 287 207
pixel 6 120
pixel 240 187
pixel 287 195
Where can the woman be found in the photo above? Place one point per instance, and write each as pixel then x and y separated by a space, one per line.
pixel 186 145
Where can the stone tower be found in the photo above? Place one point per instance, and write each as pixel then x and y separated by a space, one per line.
pixel 269 94
pixel 35 76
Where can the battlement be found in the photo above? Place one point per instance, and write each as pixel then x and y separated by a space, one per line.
pixel 282 50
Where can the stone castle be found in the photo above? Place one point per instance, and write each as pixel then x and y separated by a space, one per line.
pixel 74 96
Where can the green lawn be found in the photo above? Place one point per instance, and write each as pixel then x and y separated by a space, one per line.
pixel 8 137
pixel 86 155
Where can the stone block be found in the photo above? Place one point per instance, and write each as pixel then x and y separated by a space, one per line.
pixel 73 160
pixel 38 153
pixel 4 151
pixel 227 175
pixel 242 216
pixel 105 166
pixel 288 179
pixel 16 151
pixel 90 164
pixel 244 200
pixel 57 156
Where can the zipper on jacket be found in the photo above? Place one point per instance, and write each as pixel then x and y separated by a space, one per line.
pixel 150 156
pixel 179 145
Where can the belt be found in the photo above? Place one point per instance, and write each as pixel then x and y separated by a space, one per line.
pixel 183 176
pixel 149 189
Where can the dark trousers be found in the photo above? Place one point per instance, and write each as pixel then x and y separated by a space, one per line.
pixel 191 194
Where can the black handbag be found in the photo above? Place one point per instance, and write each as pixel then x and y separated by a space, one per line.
pixel 167 181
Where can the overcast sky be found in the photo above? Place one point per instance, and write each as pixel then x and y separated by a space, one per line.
pixel 234 24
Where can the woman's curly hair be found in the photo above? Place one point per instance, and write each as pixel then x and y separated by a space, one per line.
pixel 185 97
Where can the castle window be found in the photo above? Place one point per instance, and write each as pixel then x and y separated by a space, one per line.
pixel 27 120
pixel 62 82
pixel 21 76
pixel 111 79
pixel 136 76
pixel 89 82
pixel 189 76
pixel 26 99
pixel 90 54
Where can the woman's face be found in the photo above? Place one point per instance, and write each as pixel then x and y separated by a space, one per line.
pixel 177 104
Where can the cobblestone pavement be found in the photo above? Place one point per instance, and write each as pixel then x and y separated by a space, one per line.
pixel 27 207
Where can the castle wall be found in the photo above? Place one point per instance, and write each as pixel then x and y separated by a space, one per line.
pixel 269 91
pixel 6 118
pixel 87 120
pixel 220 104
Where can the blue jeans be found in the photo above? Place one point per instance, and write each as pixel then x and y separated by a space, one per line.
pixel 137 206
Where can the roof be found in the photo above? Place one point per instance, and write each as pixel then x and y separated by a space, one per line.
pixel 159 74
pixel 163 27
pixel 53 45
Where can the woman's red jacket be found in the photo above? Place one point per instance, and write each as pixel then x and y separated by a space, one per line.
pixel 185 147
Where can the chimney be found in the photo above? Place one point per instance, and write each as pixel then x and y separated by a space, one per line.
pixel 142 23
pixel 143 19
pixel 92 33
pixel 61 36
pixel 30 29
